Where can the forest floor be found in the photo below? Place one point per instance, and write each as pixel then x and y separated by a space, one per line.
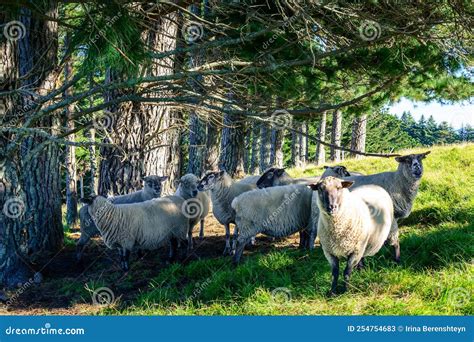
pixel 436 275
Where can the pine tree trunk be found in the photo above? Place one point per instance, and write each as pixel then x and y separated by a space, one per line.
pixel 276 152
pixel 197 128
pixel 148 144
pixel 320 150
pixel 295 145
pixel 232 151
pixel 13 270
pixel 90 133
pixel 197 143
pixel 336 132
pixel 70 153
pixel 359 126
pixel 247 150
pixel 304 143
pixel 255 148
pixel 41 178
pixel 264 147
pixel 211 160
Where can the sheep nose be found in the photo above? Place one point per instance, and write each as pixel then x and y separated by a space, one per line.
pixel 332 208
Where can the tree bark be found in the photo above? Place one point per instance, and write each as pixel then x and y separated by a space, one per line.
pixel 211 160
pixel 146 135
pixel 295 145
pixel 197 128
pixel 276 152
pixel 264 147
pixel 232 148
pixel 320 150
pixel 304 143
pixel 13 270
pixel 336 132
pixel 70 153
pixel 254 158
pixel 41 178
pixel 359 126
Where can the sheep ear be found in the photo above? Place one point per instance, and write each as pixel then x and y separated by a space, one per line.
pixel 314 186
pixel 347 184
pixel 144 179
pixel 163 179
pixel 402 159
pixel 279 172
pixel 423 155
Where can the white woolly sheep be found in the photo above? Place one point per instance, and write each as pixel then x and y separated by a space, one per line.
pixel 147 225
pixel 151 189
pixel 353 224
pixel 278 177
pixel 223 190
pixel 402 186
pixel 196 205
pixel 277 212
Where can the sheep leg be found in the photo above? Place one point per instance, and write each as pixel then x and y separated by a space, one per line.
pixel 201 230
pixel 234 240
pixel 124 258
pixel 173 249
pixel 334 262
pixel 190 239
pixel 227 248
pixel 303 239
pixel 81 246
pixel 361 264
pixel 395 242
pixel 351 262
pixel 241 243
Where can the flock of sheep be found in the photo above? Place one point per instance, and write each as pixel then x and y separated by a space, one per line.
pixel 352 214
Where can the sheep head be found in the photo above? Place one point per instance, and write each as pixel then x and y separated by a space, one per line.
pixel 209 180
pixel 411 165
pixel 331 191
pixel 269 177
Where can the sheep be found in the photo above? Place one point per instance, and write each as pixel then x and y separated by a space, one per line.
pixel 146 225
pixel 152 189
pixel 278 176
pixel 223 190
pixel 196 203
pixel 352 224
pixel 277 212
pixel 402 186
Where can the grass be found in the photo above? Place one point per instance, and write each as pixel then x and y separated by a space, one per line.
pixel 435 277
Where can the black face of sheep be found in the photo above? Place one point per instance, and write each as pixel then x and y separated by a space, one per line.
pixel 154 183
pixel 340 170
pixel 209 180
pixel 330 192
pixel 268 178
pixel 412 164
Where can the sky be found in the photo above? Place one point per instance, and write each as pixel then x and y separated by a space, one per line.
pixel 455 114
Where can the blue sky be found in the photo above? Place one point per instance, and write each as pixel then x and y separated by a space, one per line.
pixel 455 114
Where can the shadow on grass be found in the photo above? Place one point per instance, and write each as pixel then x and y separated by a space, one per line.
pixel 207 277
